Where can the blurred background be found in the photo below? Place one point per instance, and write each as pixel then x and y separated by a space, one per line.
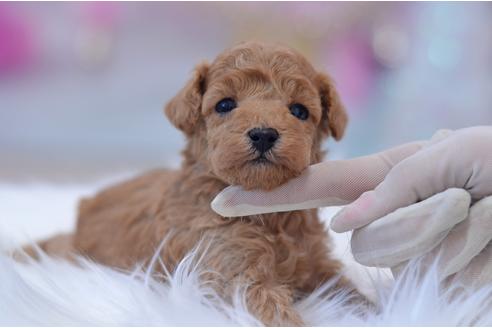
pixel 82 85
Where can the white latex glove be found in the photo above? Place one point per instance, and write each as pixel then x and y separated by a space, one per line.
pixel 460 159
pixel 442 226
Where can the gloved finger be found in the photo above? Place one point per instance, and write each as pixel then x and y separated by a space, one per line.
pixel 466 240
pixel 410 231
pixel 417 177
pixel 478 273
pixel 325 184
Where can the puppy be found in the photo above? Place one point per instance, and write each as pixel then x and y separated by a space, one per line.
pixel 255 117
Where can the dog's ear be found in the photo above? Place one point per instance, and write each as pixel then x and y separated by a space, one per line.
pixel 334 117
pixel 184 109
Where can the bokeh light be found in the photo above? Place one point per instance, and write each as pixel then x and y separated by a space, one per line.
pixel 83 84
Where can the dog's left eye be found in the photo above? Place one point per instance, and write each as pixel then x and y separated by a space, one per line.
pixel 300 111
pixel 225 105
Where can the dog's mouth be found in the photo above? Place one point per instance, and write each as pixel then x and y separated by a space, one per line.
pixel 254 169
pixel 261 160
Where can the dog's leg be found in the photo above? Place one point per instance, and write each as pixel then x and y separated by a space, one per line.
pixel 269 302
pixel 273 305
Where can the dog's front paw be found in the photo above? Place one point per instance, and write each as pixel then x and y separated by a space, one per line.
pixel 274 306
pixel 288 317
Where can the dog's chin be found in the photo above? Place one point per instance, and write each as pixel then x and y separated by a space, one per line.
pixel 259 173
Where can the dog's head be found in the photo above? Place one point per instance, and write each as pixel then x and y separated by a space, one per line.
pixel 257 115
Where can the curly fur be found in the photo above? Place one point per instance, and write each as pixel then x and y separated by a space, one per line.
pixel 280 256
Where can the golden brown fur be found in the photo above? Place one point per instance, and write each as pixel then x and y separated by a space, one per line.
pixel 281 255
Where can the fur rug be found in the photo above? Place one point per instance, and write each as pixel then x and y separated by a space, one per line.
pixel 54 292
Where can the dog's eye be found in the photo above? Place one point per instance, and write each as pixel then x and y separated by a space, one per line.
pixel 299 111
pixel 225 105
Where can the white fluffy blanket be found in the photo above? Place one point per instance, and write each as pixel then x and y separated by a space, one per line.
pixel 53 292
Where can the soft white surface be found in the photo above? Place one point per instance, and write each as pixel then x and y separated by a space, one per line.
pixel 36 210
pixel 57 293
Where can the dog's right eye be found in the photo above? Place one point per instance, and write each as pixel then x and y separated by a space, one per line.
pixel 225 105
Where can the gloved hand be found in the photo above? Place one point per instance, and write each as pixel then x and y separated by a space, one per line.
pixel 441 224
pixel 419 210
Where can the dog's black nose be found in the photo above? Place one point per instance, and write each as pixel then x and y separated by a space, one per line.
pixel 263 138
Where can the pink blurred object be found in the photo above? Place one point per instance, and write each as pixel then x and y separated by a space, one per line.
pixel 17 45
pixel 101 14
pixel 353 68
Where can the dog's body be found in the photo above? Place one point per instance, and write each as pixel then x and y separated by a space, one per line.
pixel 278 256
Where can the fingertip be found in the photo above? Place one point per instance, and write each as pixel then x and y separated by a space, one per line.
pixel 220 204
pixel 337 224
pixel 217 205
pixel 339 228
pixel 354 215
